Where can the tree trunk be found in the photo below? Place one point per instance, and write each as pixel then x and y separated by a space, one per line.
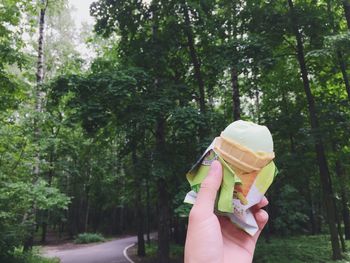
pixel 257 104
pixel 344 198
pixel 319 148
pixel 148 205
pixel 344 73
pixel 235 95
pixel 163 199
pixel 44 226
pixel 163 223
pixel 338 165
pixel 340 58
pixel 29 240
pixel 287 113
pixel 70 221
pixel 194 58
pixel 179 230
pixel 121 219
pixel 60 229
pixel 346 5
pixel 87 212
pixel 345 214
pixel 232 36
pixel 139 213
pixel 40 62
pixel 28 243
pixel 46 213
pixel 87 192
pixel 140 237
pixel 311 209
pixel 340 231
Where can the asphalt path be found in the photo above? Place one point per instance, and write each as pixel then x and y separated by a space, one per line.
pixel 107 252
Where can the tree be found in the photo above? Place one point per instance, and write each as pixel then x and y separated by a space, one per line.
pixel 28 244
pixel 11 13
pixel 319 148
pixel 346 5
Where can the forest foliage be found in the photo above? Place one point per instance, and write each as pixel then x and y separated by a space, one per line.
pixel 102 144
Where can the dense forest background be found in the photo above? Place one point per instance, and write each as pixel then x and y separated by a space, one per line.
pixel 101 143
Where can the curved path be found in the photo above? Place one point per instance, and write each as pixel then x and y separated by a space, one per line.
pixel 107 252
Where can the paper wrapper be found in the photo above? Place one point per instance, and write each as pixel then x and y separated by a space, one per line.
pixel 229 203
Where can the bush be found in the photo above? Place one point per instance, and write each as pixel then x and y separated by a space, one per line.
pixel 18 256
pixel 176 251
pixel 296 249
pixel 85 238
pixel 288 222
pixel 35 258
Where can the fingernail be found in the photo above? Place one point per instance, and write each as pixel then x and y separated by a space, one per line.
pixel 265 201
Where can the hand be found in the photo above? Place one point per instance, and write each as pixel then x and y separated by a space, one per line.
pixel 215 239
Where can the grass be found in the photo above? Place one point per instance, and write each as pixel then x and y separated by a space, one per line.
pixel 18 256
pixel 85 238
pixel 35 258
pixel 176 251
pixel 296 250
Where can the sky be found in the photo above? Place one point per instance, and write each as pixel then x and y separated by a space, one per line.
pixel 81 15
pixel 82 12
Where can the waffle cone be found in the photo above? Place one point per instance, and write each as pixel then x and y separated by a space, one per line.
pixel 246 163
pixel 240 157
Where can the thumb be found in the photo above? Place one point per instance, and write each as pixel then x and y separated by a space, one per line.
pixel 205 201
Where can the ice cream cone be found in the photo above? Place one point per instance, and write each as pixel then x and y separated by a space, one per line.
pixel 245 150
pixel 243 160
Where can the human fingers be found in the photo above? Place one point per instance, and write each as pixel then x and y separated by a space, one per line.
pixel 261 217
pixel 264 202
pixel 205 201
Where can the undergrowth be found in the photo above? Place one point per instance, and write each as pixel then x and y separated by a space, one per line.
pixel 85 238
